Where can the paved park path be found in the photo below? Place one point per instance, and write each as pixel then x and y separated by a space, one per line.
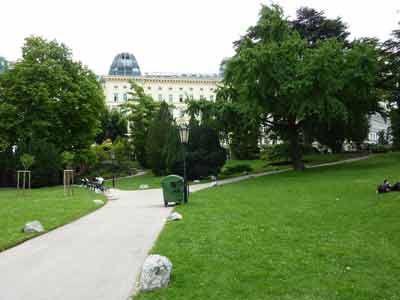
pixel 97 257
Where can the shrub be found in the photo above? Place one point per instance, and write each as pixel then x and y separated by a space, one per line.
pixel 240 168
pixel 205 155
pixel 280 152
pixel 276 152
pixel 374 148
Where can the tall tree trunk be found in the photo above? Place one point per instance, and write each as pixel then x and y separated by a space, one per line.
pixel 295 147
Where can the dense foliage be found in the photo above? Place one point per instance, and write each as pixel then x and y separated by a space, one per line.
pixel 158 140
pixel 205 156
pixel 391 50
pixel 237 125
pixel 113 125
pixel 48 104
pixel 294 81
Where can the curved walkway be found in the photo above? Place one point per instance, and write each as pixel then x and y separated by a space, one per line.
pixel 94 258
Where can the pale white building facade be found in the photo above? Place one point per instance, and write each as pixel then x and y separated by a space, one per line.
pixel 174 89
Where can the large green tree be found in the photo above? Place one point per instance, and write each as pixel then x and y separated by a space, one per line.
pixel 276 69
pixel 141 110
pixel 48 96
pixel 49 103
pixel 391 83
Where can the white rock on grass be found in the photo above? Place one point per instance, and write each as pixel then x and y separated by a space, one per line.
pixel 174 216
pixel 34 226
pixel 98 202
pixel 156 273
pixel 143 186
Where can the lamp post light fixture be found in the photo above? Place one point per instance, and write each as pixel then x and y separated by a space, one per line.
pixel 112 154
pixel 184 137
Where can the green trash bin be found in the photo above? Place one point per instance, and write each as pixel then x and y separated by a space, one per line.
pixel 173 189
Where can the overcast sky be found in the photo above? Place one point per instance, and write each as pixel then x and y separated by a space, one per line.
pixel 166 35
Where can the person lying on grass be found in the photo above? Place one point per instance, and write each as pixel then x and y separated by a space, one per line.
pixel 387 187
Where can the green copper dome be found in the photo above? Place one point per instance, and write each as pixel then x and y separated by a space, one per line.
pixel 125 64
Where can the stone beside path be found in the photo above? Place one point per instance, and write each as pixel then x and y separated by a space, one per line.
pixel 96 257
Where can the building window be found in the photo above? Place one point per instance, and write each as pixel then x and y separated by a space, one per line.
pixel 191 97
pixel 211 97
pixel 191 89
pixel 170 88
pixel 125 96
pixel 149 87
pixel 116 97
pixel 159 97
pixel 115 86
pixel 180 98
pixel 211 89
pixel 171 98
pixel 160 88
pixel 201 89
pixel 124 86
pixel 201 97
pixel 181 88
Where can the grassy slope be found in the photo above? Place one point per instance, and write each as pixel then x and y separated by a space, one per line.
pixel 48 205
pixel 322 235
pixel 133 183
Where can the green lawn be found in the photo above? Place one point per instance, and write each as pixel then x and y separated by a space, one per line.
pixel 47 205
pixel 133 183
pixel 258 166
pixel 315 159
pixel 323 235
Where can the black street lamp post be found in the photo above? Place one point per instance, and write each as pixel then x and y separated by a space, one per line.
pixel 113 167
pixel 184 137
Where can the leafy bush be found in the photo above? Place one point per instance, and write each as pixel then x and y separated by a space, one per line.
pixel 205 155
pixel 280 152
pixel 374 148
pixel 275 152
pixel 240 168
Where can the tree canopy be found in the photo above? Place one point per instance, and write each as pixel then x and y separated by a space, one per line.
pixel 293 80
pixel 47 95
pixel 391 51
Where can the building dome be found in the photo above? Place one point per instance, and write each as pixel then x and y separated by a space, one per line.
pixel 124 64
